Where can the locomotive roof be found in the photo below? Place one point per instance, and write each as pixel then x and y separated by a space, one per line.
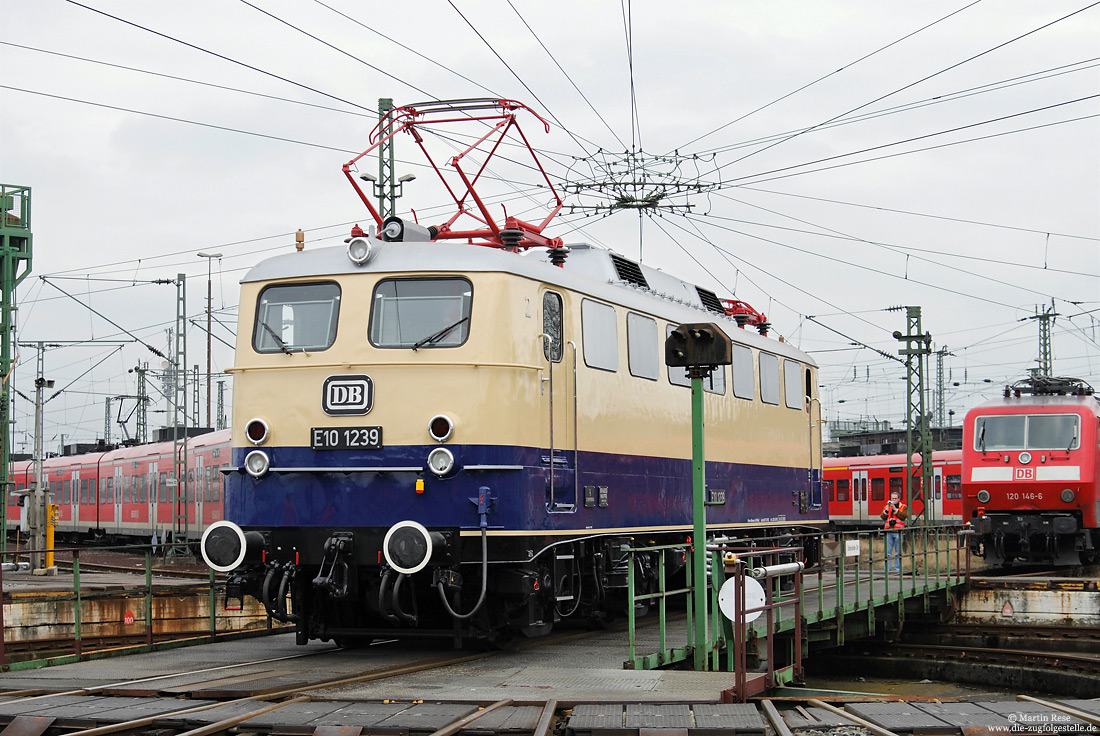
pixel 587 270
pixel 1003 405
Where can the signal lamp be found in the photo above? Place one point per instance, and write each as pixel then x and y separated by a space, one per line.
pixel 257 431
pixel 1068 495
pixel 441 428
pixel 983 496
pixel 256 463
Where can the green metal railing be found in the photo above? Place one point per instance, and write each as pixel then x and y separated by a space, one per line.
pixel 846 575
pixel 80 597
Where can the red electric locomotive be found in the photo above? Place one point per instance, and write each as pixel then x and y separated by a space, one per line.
pixel 1030 484
pixel 858 487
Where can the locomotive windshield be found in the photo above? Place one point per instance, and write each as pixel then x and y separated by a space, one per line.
pixel 296 317
pixel 1027 432
pixel 420 313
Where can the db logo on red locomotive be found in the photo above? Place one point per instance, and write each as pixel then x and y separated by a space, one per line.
pixel 1025 474
pixel 346 395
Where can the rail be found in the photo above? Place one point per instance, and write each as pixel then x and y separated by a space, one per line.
pixel 841 575
pixel 81 608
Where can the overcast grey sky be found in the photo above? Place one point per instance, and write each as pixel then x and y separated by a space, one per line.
pixel 949 159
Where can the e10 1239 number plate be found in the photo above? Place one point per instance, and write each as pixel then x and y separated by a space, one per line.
pixel 345 438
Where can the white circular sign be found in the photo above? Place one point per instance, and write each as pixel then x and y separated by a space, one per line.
pixel 752 596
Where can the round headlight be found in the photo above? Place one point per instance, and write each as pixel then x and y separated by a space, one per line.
pixel 256 431
pixel 223 546
pixel 256 463
pixel 983 496
pixel 1025 458
pixel 1068 495
pixel 440 461
pixel 359 250
pixel 407 547
pixel 441 428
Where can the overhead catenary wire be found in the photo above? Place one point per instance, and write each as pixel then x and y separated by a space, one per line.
pixel 220 56
pixel 191 81
pixel 921 214
pixel 915 83
pixel 907 252
pixel 940 99
pixel 564 73
pixel 765 178
pixel 912 139
pixel 822 78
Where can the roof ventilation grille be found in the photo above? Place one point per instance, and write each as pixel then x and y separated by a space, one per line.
pixel 629 271
pixel 710 300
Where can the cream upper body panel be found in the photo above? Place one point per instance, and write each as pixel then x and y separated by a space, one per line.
pixel 492 384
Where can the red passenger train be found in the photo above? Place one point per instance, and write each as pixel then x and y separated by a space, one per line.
pixel 1030 482
pixel 127 492
pixel 858 487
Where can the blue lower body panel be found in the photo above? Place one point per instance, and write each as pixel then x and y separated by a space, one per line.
pixel 639 492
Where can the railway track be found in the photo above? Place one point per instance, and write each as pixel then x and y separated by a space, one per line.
pixel 1030 658
pixel 269 700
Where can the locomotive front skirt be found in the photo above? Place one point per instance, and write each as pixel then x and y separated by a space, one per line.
pixel 459 439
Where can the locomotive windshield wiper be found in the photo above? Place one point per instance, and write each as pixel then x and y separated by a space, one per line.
pixel 437 336
pixel 981 439
pixel 282 345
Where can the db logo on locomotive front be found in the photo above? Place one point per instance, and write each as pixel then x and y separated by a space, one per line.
pixel 347 395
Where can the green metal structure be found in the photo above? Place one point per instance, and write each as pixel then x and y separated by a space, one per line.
pixel 918 346
pixel 178 495
pixel 387 193
pixel 15 265
pixel 1046 356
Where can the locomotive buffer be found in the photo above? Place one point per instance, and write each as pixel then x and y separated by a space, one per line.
pixel 700 347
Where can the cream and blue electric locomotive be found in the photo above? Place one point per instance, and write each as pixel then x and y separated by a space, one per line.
pixel 445 438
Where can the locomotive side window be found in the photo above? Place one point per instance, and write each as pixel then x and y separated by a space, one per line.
pixel 842 486
pixel 792 384
pixel 769 378
pixel 296 317
pixel 420 313
pixel 715 383
pixel 641 347
pixel 1027 432
pixel 878 489
pixel 600 336
pixel 744 382
pixel 678 376
pixel 552 326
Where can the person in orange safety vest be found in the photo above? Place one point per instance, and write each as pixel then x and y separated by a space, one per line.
pixel 894 514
